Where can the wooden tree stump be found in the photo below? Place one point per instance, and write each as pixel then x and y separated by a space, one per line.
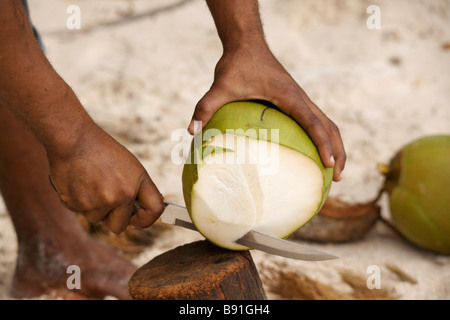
pixel 198 271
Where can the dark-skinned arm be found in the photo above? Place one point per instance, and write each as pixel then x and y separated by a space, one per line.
pixel 248 70
pixel 92 173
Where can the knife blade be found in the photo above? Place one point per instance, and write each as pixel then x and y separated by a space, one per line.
pixel 177 215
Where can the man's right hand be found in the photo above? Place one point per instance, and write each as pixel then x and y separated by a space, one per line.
pixel 101 179
pixel 92 173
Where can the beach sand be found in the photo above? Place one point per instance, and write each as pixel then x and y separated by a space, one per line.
pixel 139 67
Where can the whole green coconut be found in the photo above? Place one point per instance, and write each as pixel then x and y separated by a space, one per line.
pixel 419 198
pixel 253 168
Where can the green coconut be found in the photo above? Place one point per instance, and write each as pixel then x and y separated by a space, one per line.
pixel 419 200
pixel 252 167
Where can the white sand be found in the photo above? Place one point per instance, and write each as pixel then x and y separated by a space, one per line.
pixel 140 79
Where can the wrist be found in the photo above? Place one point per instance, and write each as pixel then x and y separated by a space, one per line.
pixel 64 142
pixel 246 41
pixel 237 22
pixel 64 126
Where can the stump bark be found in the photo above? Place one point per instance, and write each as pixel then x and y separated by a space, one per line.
pixel 198 271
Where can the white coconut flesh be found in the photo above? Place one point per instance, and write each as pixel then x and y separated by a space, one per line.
pixel 253 184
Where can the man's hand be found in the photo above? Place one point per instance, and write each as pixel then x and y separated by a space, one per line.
pixel 245 75
pixel 92 173
pixel 100 179
pixel 248 70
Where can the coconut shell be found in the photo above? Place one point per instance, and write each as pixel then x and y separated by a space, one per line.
pixel 339 221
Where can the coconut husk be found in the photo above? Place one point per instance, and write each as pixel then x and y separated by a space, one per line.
pixel 358 283
pixel 339 221
pixel 290 285
pixel 131 242
pixel 402 275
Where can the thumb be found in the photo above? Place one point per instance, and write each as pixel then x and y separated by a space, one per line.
pixel 212 101
pixel 151 205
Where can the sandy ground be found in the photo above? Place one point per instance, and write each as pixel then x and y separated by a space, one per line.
pixel 139 67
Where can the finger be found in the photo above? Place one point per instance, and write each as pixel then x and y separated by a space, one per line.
pixel 118 219
pixel 339 153
pixel 151 205
pixel 206 107
pixel 96 216
pixel 299 110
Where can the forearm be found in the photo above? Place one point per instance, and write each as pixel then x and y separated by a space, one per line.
pixel 238 23
pixel 30 87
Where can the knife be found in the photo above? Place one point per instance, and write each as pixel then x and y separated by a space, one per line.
pixel 177 215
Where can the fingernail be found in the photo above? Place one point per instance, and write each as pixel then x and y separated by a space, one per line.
pixel 332 160
pixel 195 126
pixel 191 127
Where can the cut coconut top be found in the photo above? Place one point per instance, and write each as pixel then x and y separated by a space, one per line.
pixel 245 184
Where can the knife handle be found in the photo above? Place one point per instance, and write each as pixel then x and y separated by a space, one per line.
pixel 137 206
